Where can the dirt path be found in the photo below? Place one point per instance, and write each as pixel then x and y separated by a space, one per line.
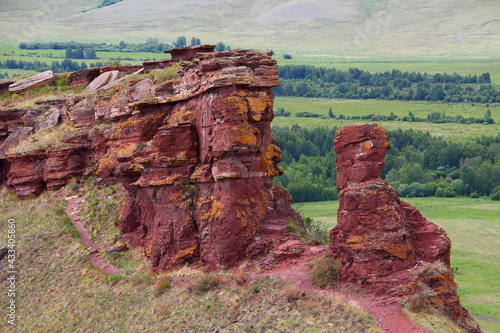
pixel 389 317
pixel 94 258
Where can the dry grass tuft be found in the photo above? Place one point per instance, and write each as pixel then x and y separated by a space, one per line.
pixel 325 272
pixel 162 285
pixel 435 269
pixel 205 283
pixel 240 279
pixel 292 293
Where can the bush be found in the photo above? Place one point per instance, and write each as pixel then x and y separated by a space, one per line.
pixel 420 303
pixel 413 190
pixel 317 233
pixel 495 194
pixel 442 192
pixel 287 56
pixel 313 232
pixel 162 285
pixel 74 186
pixel 325 272
pixel 167 74
pixel 206 282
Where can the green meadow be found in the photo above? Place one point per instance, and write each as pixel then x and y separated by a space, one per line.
pixel 474 228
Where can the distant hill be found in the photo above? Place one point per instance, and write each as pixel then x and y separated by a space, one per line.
pixel 452 28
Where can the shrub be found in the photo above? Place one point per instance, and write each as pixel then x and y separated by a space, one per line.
pixel 205 283
pixel 74 186
pixel 313 232
pixel 167 74
pixel 434 269
pixel 162 285
pixel 325 272
pixel 317 233
pixel 419 303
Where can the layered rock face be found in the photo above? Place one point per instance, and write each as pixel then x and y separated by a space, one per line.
pixel 385 244
pixel 195 152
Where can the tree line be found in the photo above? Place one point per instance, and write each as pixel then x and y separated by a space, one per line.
pixel 152 45
pixel 354 83
pixel 63 66
pixel 418 164
pixel 433 117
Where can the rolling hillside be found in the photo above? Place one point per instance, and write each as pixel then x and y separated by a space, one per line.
pixel 452 28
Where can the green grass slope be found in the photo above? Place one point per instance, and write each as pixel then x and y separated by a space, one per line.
pixel 345 28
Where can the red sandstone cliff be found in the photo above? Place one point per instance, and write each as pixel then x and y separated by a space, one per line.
pixel 195 153
pixel 385 244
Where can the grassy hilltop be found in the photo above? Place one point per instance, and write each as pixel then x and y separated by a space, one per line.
pixel 357 28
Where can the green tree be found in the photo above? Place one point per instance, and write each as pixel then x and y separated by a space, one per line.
pixel 195 41
pixel 484 78
pixel 90 54
pixel 78 54
pixel 437 92
pixel 181 42
pixel 220 47
pixel 330 113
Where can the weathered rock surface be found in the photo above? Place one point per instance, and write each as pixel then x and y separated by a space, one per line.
pixel 10 119
pixel 36 81
pixel 385 244
pixel 86 76
pixel 18 134
pixel 190 52
pixel 102 80
pixel 196 155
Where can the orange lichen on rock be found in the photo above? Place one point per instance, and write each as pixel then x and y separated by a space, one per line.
pixel 184 253
pixel 195 153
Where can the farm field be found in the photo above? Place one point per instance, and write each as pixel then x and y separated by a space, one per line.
pixel 474 229
pixel 464 66
pixel 346 107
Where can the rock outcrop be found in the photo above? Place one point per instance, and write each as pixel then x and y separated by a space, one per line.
pixel 195 153
pixel 385 244
pixel 191 141
pixel 36 81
